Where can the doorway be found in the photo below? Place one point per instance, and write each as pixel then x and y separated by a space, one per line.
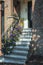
pixel 29 14
pixel 16 7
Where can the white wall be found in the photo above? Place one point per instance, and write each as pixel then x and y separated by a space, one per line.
pixel 24 13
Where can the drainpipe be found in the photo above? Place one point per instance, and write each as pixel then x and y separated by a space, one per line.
pixel 0 28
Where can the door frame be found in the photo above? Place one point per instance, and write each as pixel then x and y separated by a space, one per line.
pixel 29 14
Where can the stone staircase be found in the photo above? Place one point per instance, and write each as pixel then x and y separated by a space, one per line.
pixel 20 51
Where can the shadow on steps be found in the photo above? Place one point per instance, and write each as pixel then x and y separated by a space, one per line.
pixel 35 60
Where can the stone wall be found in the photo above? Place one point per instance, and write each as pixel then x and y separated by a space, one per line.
pixel 38 14
pixel 8 11
pixel 38 26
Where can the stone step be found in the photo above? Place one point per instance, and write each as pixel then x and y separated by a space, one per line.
pixel 20 52
pixel 24 48
pixel 14 61
pixel 27 30
pixel 24 39
pixel 26 36
pixel 9 60
pixel 18 57
pixel 1 59
pixel 23 43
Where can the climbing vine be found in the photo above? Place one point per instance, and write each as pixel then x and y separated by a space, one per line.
pixel 10 42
